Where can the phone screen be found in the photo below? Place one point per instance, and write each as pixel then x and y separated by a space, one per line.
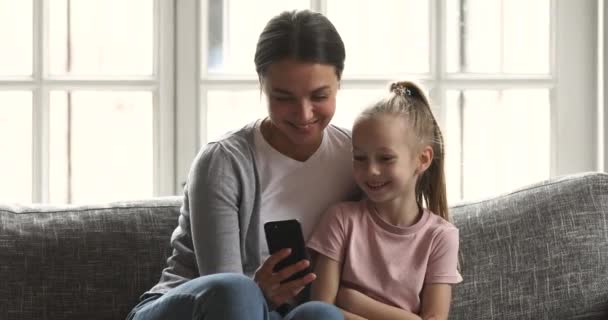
pixel 287 234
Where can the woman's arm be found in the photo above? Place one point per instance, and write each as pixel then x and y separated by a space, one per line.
pixel 436 301
pixel 369 308
pixel 213 210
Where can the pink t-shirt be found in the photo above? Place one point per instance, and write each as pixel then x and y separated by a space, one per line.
pixel 388 263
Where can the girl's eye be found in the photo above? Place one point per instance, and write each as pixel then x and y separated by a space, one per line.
pixel 387 158
pixel 319 98
pixel 359 158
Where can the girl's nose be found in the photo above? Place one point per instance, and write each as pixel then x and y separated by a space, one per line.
pixel 373 168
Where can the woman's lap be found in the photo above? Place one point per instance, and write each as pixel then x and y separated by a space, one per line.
pixel 223 296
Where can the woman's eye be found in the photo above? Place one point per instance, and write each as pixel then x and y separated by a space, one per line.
pixel 319 98
pixel 358 158
pixel 387 158
pixel 283 99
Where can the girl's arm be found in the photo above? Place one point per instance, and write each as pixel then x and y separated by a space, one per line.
pixel 436 301
pixel 369 308
pixel 325 287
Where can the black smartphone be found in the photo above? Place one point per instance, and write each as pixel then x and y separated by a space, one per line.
pixel 287 234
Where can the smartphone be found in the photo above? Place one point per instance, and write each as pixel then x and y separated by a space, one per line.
pixel 287 234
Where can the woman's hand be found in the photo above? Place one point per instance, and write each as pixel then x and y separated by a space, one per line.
pixel 270 281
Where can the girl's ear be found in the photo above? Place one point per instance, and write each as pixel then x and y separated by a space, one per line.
pixel 425 158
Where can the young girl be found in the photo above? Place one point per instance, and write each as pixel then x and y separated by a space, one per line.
pixel 394 254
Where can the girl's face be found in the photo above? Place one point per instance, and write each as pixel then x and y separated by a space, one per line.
pixel 301 99
pixel 385 163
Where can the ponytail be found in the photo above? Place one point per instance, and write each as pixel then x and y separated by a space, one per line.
pixel 431 186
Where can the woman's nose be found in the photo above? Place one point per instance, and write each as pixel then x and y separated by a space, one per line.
pixel 305 111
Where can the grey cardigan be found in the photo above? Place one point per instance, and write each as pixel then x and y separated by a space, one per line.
pixel 222 203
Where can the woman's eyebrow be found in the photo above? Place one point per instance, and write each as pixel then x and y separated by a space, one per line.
pixel 281 91
pixel 286 92
pixel 320 89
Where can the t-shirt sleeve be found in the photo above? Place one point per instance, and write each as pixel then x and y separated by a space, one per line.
pixel 443 261
pixel 328 237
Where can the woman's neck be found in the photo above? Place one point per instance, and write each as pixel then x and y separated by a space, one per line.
pixel 282 144
pixel 401 212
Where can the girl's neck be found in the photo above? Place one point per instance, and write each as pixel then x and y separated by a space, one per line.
pixel 401 212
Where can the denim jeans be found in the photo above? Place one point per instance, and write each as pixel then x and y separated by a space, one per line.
pixel 226 296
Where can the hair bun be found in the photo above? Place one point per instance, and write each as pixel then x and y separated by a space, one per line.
pixel 401 88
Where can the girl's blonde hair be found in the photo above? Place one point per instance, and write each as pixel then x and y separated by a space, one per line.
pixel 408 100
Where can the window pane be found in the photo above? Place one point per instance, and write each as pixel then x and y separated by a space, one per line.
pixel 15 37
pixel 503 137
pixel 103 37
pixel 497 36
pixel 351 102
pixel 101 146
pixel 231 43
pixel 16 143
pixel 228 110
pixel 383 36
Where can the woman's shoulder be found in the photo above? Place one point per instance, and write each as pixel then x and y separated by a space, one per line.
pixel 234 147
pixel 233 142
pixel 339 133
pixel 240 138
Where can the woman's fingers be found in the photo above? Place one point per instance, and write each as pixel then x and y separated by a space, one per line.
pixel 290 289
pixel 272 261
pixel 288 271
pixel 270 281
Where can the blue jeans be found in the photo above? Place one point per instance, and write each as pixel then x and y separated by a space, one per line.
pixel 226 296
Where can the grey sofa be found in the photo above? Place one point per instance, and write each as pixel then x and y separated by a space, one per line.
pixel 537 253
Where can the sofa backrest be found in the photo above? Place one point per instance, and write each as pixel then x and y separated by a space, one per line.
pixel 82 262
pixel 537 253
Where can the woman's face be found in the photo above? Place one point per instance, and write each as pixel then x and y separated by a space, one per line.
pixel 301 99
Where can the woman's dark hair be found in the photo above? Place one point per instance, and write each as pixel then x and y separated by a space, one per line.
pixel 303 35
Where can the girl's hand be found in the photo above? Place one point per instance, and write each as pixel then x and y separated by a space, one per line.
pixel 270 281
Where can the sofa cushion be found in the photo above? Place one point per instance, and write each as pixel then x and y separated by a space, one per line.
pixel 537 253
pixel 82 262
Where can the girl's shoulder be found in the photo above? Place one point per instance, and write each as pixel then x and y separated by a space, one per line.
pixel 347 210
pixel 438 225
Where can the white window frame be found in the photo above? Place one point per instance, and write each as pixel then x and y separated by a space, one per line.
pixel 602 84
pixel 161 84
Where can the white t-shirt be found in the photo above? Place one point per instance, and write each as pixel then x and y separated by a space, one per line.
pixel 293 189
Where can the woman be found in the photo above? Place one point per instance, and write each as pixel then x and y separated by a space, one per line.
pixel 291 164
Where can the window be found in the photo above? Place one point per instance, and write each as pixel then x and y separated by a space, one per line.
pixel 82 91
pixel 494 73
pixel 111 99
